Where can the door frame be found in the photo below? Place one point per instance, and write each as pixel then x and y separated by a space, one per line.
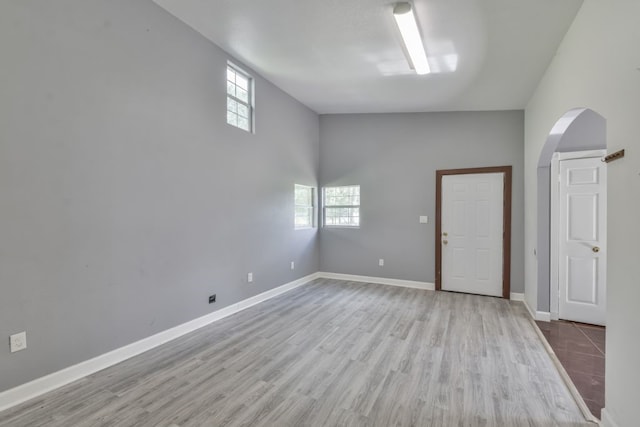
pixel 554 224
pixel 506 222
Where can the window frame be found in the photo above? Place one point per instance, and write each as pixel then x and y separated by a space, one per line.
pixel 312 207
pixel 249 104
pixel 324 207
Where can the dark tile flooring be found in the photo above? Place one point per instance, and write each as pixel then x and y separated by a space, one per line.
pixel 580 349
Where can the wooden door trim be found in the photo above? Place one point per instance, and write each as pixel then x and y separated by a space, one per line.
pixel 506 222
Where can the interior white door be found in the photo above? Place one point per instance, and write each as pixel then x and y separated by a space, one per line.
pixel 472 227
pixel 582 245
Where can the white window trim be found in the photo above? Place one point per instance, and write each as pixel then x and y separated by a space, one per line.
pixel 324 208
pixel 251 104
pixel 312 206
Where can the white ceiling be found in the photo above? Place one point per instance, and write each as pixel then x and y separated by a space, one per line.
pixel 345 56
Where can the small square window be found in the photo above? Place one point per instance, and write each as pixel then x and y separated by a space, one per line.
pixel 239 99
pixel 304 206
pixel 341 206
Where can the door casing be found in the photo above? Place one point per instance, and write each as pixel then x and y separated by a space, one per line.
pixel 506 235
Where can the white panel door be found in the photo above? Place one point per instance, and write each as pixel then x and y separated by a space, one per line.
pixel 472 227
pixel 582 246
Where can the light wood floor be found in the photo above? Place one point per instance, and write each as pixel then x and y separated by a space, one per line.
pixel 331 353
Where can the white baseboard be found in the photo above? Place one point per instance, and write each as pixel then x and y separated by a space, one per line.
pixel 378 280
pixel 39 386
pixel 607 420
pixel 257 299
pixel 588 416
pixel 516 296
pixel 543 316
pixel 24 392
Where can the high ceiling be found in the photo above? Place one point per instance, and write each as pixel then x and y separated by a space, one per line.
pixel 346 56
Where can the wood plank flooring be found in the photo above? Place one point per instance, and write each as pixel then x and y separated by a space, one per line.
pixel 331 353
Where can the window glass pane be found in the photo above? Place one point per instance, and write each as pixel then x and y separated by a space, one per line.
pixel 341 196
pixel 232 105
pixel 243 123
pixel 303 217
pixel 243 110
pixel 242 82
pixel 231 89
pixel 242 94
pixel 232 118
pixel 344 217
pixel 303 195
pixel 231 75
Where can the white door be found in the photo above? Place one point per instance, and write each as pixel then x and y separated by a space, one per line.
pixel 582 245
pixel 472 227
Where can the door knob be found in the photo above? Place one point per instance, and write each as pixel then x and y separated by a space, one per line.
pixel 445 234
pixel 595 249
pixel 444 242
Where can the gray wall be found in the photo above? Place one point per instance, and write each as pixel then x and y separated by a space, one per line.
pixel 608 83
pixel 125 199
pixel 394 157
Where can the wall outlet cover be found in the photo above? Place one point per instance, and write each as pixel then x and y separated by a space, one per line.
pixel 18 341
pixel 250 277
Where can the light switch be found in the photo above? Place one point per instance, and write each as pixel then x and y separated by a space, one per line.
pixel 424 219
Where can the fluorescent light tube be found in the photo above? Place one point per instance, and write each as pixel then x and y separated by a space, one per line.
pixel 406 20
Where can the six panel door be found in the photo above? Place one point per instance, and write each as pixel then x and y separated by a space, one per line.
pixel 582 245
pixel 472 232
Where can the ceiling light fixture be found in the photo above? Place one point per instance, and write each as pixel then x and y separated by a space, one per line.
pixel 406 20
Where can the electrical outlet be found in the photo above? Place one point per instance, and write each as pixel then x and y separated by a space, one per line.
pixel 293 265
pixel 250 277
pixel 212 299
pixel 380 262
pixel 18 342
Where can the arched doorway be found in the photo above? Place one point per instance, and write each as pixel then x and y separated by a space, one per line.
pixel 579 129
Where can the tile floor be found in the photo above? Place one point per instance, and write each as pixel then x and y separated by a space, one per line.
pixel 580 349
